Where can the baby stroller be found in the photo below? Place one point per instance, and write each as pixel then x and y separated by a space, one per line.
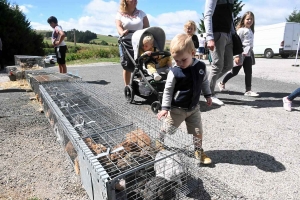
pixel 141 83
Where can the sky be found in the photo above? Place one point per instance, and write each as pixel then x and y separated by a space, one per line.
pixel 98 16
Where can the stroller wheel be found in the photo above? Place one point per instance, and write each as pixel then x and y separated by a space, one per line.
pixel 129 94
pixel 155 107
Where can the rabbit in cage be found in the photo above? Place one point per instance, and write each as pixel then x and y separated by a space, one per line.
pixel 158 188
pixel 170 168
pixel 139 137
pixel 97 148
pixel 134 142
pixel 73 155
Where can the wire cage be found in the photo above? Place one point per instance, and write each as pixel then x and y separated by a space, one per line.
pixel 27 62
pixel 119 155
pixel 37 77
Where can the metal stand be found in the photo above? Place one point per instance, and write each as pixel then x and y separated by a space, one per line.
pixel 295 65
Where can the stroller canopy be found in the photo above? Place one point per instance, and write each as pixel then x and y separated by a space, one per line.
pixel 159 39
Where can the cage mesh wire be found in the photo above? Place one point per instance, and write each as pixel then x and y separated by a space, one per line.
pixel 37 77
pixel 127 143
pixel 26 62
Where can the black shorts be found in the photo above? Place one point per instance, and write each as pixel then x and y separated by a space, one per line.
pixel 61 59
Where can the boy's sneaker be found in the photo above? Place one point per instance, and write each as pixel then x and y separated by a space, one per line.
pixel 204 159
pixel 287 104
pixel 159 145
pixel 217 101
pixel 221 87
pixel 251 94
pixel 156 76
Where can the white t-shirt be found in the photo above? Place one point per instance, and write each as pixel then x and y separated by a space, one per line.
pixel 56 36
pixel 134 22
pixel 201 41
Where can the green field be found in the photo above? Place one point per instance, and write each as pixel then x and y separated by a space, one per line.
pixel 108 39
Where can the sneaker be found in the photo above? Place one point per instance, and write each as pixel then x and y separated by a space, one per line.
pixel 204 159
pixel 156 76
pixel 217 101
pixel 287 104
pixel 159 145
pixel 251 94
pixel 221 87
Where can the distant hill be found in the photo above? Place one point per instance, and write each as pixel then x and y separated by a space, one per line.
pixel 108 39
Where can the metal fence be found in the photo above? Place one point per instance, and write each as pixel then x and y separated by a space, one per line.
pixel 119 151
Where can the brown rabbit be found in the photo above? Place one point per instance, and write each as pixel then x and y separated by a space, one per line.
pixel 139 137
pixel 73 155
pixel 134 141
pixel 97 148
pixel 128 147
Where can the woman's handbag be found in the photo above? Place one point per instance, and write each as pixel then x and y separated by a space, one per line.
pixel 237 46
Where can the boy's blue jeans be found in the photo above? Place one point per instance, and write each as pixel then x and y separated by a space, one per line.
pixel 294 94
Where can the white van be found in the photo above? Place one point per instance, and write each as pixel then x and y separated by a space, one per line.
pixel 277 39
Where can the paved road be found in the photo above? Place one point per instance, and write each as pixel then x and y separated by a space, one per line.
pixel 253 142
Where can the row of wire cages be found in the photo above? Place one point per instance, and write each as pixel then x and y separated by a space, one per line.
pixel 127 155
pixel 37 77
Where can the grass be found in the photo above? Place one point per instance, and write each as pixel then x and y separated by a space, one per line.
pixel 108 39
pixel 84 45
pixel 93 60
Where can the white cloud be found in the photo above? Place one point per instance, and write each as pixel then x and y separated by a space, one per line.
pixel 270 11
pixel 99 16
pixel 25 8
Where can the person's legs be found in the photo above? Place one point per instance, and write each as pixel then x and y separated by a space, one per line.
pixel 229 75
pixel 287 101
pixel 126 77
pixel 217 56
pixel 63 50
pixel 228 55
pixel 232 73
pixel 247 65
pixel 194 126
pixel 175 117
pixel 294 94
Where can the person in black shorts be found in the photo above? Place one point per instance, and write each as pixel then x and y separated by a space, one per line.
pixel 60 46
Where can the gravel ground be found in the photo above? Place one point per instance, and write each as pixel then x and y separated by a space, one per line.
pixel 252 141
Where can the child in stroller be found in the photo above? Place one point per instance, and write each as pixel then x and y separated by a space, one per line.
pixel 141 83
pixel 153 61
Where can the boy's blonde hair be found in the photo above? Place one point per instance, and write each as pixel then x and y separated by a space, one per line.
pixel 148 38
pixel 181 43
pixel 190 23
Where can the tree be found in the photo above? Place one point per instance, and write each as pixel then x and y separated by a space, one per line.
pixel 237 8
pixel 81 37
pixel 16 34
pixel 294 16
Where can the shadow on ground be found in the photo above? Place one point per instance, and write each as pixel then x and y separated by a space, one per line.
pixel 12 90
pixel 262 161
pixel 100 82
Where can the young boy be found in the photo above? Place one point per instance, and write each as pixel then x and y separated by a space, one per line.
pixel 148 48
pixel 182 92
pixel 60 47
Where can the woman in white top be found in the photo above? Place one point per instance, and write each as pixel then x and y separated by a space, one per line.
pixel 245 29
pixel 129 19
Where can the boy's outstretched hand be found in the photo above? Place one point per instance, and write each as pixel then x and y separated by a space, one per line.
pixel 162 113
pixel 208 101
